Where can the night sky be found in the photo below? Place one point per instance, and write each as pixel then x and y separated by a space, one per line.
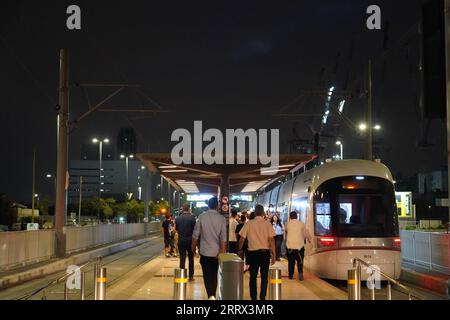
pixel 230 64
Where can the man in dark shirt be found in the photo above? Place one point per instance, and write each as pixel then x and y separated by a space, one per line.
pixel 185 224
pixel 168 230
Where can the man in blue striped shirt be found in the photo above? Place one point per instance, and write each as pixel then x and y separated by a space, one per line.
pixel 211 229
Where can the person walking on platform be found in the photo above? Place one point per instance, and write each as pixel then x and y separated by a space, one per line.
pixel 185 224
pixel 168 230
pixel 232 224
pixel 296 234
pixel 211 229
pixel 261 250
pixel 245 246
pixel 279 234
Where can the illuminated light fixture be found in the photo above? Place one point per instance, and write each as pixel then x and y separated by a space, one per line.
pixel 95 140
pixel 341 106
pixel 287 166
pixel 36 195
pixel 142 167
pixel 360 178
pixel 106 140
pixel 377 127
pixel 394 182
pixel 273 171
pixel 102 190
pixel 131 156
pixel 173 171
pixel 102 183
pixel 122 156
pixel 362 127
pixel 48 175
pixel 338 143
pixel 350 187
pixel 167 167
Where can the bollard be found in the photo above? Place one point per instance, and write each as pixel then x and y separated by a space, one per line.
pixel 275 284
pixel 372 290
pixel 354 284
pixel 83 284
pixel 389 290
pixel 179 284
pixel 97 267
pixel 230 277
pixel 66 291
pixel 101 284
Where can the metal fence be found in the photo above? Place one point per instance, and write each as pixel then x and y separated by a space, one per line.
pixel 426 249
pixel 19 248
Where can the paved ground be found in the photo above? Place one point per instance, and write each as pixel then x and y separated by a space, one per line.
pixel 143 273
pixel 154 281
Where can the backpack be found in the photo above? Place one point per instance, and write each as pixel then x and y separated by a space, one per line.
pixel 171 230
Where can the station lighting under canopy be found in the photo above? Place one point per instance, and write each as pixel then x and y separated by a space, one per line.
pixel 206 179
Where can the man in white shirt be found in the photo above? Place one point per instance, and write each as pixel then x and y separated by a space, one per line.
pixel 232 224
pixel 296 234
pixel 261 250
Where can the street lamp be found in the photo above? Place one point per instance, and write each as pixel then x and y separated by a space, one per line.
pixel 122 156
pixel 341 145
pixel 100 150
pixel 363 127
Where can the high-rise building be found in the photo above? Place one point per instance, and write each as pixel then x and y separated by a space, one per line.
pixel 126 142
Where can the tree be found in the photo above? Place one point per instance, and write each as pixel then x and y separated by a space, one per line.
pixel 8 215
pixel 44 204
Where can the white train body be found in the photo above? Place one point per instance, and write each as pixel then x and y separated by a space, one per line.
pixel 349 210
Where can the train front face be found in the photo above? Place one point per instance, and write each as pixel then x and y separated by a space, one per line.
pixel 354 217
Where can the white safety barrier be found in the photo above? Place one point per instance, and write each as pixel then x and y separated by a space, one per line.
pixel 19 248
pixel 426 249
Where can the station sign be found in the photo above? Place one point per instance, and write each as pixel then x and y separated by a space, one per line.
pixel 198 197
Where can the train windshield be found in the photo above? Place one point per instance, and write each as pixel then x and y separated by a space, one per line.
pixel 357 207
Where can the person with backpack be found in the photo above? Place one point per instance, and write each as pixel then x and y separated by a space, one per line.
pixel 168 229
pixel 185 224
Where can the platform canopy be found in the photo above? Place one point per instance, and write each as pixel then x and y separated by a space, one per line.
pixel 203 178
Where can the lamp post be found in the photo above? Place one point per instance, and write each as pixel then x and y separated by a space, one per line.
pixel 368 130
pixel 341 145
pixel 100 151
pixel 122 156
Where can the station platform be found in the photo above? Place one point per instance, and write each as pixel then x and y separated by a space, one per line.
pixel 154 281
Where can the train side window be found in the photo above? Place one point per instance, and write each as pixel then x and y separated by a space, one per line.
pixel 322 219
pixel 300 205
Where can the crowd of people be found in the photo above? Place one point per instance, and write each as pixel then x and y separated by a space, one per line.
pixel 257 237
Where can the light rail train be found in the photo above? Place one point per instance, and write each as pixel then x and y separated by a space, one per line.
pixel 349 210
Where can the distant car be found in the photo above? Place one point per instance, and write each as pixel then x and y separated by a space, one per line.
pixel 4 228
